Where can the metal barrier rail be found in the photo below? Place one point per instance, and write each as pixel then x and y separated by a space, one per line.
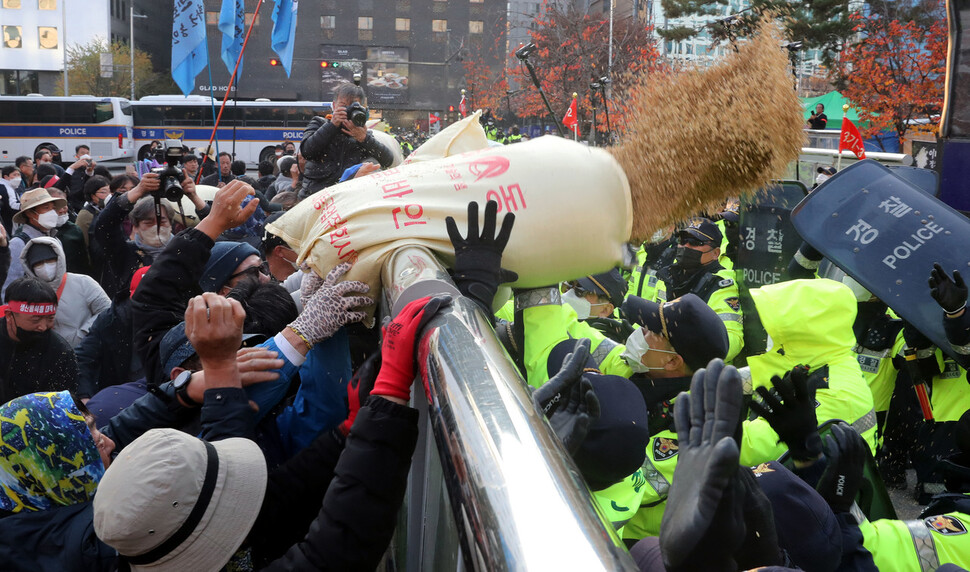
pixel 516 498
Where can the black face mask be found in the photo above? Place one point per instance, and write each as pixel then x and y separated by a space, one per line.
pixel 29 337
pixel 688 258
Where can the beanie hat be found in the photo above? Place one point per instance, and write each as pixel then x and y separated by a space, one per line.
pixel 224 258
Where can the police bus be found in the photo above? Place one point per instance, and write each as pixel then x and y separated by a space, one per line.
pixel 249 129
pixel 28 123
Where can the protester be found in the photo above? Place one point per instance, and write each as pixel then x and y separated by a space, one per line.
pixel 80 298
pixel 39 218
pixel 10 197
pixel 32 356
pixel 224 176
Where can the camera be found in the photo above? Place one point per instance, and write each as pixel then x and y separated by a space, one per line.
pixel 358 114
pixel 170 184
pixel 525 51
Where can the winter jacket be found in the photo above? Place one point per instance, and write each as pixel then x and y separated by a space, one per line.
pixel 75 193
pixel 215 178
pixel 106 356
pixel 40 366
pixel 355 497
pixel 80 300
pixel 163 294
pixel 17 242
pixel 60 539
pixel 75 248
pixel 329 151
pixel 9 204
pixel 121 257
pixel 85 217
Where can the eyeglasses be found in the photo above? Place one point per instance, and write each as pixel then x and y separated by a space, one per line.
pixel 253 272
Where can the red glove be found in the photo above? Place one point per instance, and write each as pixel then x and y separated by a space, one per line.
pixel 398 347
pixel 360 386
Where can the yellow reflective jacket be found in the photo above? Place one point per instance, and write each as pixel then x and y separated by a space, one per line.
pixel 809 322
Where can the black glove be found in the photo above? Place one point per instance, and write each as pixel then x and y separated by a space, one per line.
pixel 846 451
pixel 703 524
pixel 951 295
pixel 568 400
pixel 760 547
pixel 792 417
pixel 478 258
pixel 914 338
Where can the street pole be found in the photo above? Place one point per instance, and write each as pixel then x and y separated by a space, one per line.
pixel 67 91
pixel 131 46
pixel 609 59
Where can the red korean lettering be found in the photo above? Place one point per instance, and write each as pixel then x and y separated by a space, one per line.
pixel 396 189
pixel 410 211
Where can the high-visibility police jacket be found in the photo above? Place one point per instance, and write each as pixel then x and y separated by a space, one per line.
pixel 949 390
pixel 920 545
pixel 658 472
pixel 547 321
pixel 874 351
pixel 720 291
pixel 509 139
pixel 723 259
pixel 621 501
pixel 643 279
pixel 810 323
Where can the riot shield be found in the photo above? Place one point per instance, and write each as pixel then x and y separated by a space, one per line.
pixel 926 180
pixel 886 234
pixel 768 242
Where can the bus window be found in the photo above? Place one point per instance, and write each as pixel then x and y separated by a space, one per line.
pixel 299 117
pixel 264 116
pixel 228 116
pixel 178 115
pixel 8 111
pixel 77 111
pixel 125 107
pixel 103 111
pixel 147 116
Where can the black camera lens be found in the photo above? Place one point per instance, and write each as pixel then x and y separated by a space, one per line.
pixel 357 114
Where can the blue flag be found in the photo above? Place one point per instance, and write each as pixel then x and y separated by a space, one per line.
pixel 188 43
pixel 232 24
pixel 284 31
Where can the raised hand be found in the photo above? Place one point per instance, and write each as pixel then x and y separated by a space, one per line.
pixel 705 498
pixel 478 256
pixel 951 295
pixel 846 451
pixel 328 305
pixel 568 399
pixel 793 416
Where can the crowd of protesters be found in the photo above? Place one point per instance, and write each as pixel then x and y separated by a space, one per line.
pixel 179 393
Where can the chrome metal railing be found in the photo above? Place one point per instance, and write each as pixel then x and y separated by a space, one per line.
pixel 515 498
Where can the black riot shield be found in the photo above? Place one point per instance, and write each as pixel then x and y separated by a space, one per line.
pixel 767 243
pixel 886 234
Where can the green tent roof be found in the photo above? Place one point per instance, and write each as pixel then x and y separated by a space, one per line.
pixel 833 102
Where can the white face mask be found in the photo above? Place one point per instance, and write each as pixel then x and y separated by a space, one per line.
pixel 14 182
pixel 637 347
pixel 154 237
pixel 46 271
pixel 61 219
pixel 821 178
pixel 581 305
pixel 47 220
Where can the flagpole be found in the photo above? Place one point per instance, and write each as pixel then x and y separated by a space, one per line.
pixel 838 162
pixel 232 80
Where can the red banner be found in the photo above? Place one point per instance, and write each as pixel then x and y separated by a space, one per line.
pixel 570 121
pixel 462 108
pixel 851 140
pixel 432 119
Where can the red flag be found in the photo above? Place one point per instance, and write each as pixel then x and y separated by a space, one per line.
pixel 432 119
pixel 570 121
pixel 462 108
pixel 850 139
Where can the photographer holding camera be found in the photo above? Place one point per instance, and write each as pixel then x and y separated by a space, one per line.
pixel 330 147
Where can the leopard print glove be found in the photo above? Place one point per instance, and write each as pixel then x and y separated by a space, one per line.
pixel 328 305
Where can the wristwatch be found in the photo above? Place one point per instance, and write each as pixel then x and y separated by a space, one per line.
pixel 181 385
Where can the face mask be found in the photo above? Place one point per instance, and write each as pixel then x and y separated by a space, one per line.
pixel 47 220
pixel 61 219
pixel 46 271
pixel 30 337
pixel 688 258
pixel 637 347
pixel 14 182
pixel 581 305
pixel 821 178
pixel 155 237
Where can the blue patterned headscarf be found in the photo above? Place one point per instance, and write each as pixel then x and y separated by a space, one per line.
pixel 48 457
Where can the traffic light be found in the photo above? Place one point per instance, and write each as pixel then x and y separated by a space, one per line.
pixel 274 62
pixel 451 108
pixel 326 64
